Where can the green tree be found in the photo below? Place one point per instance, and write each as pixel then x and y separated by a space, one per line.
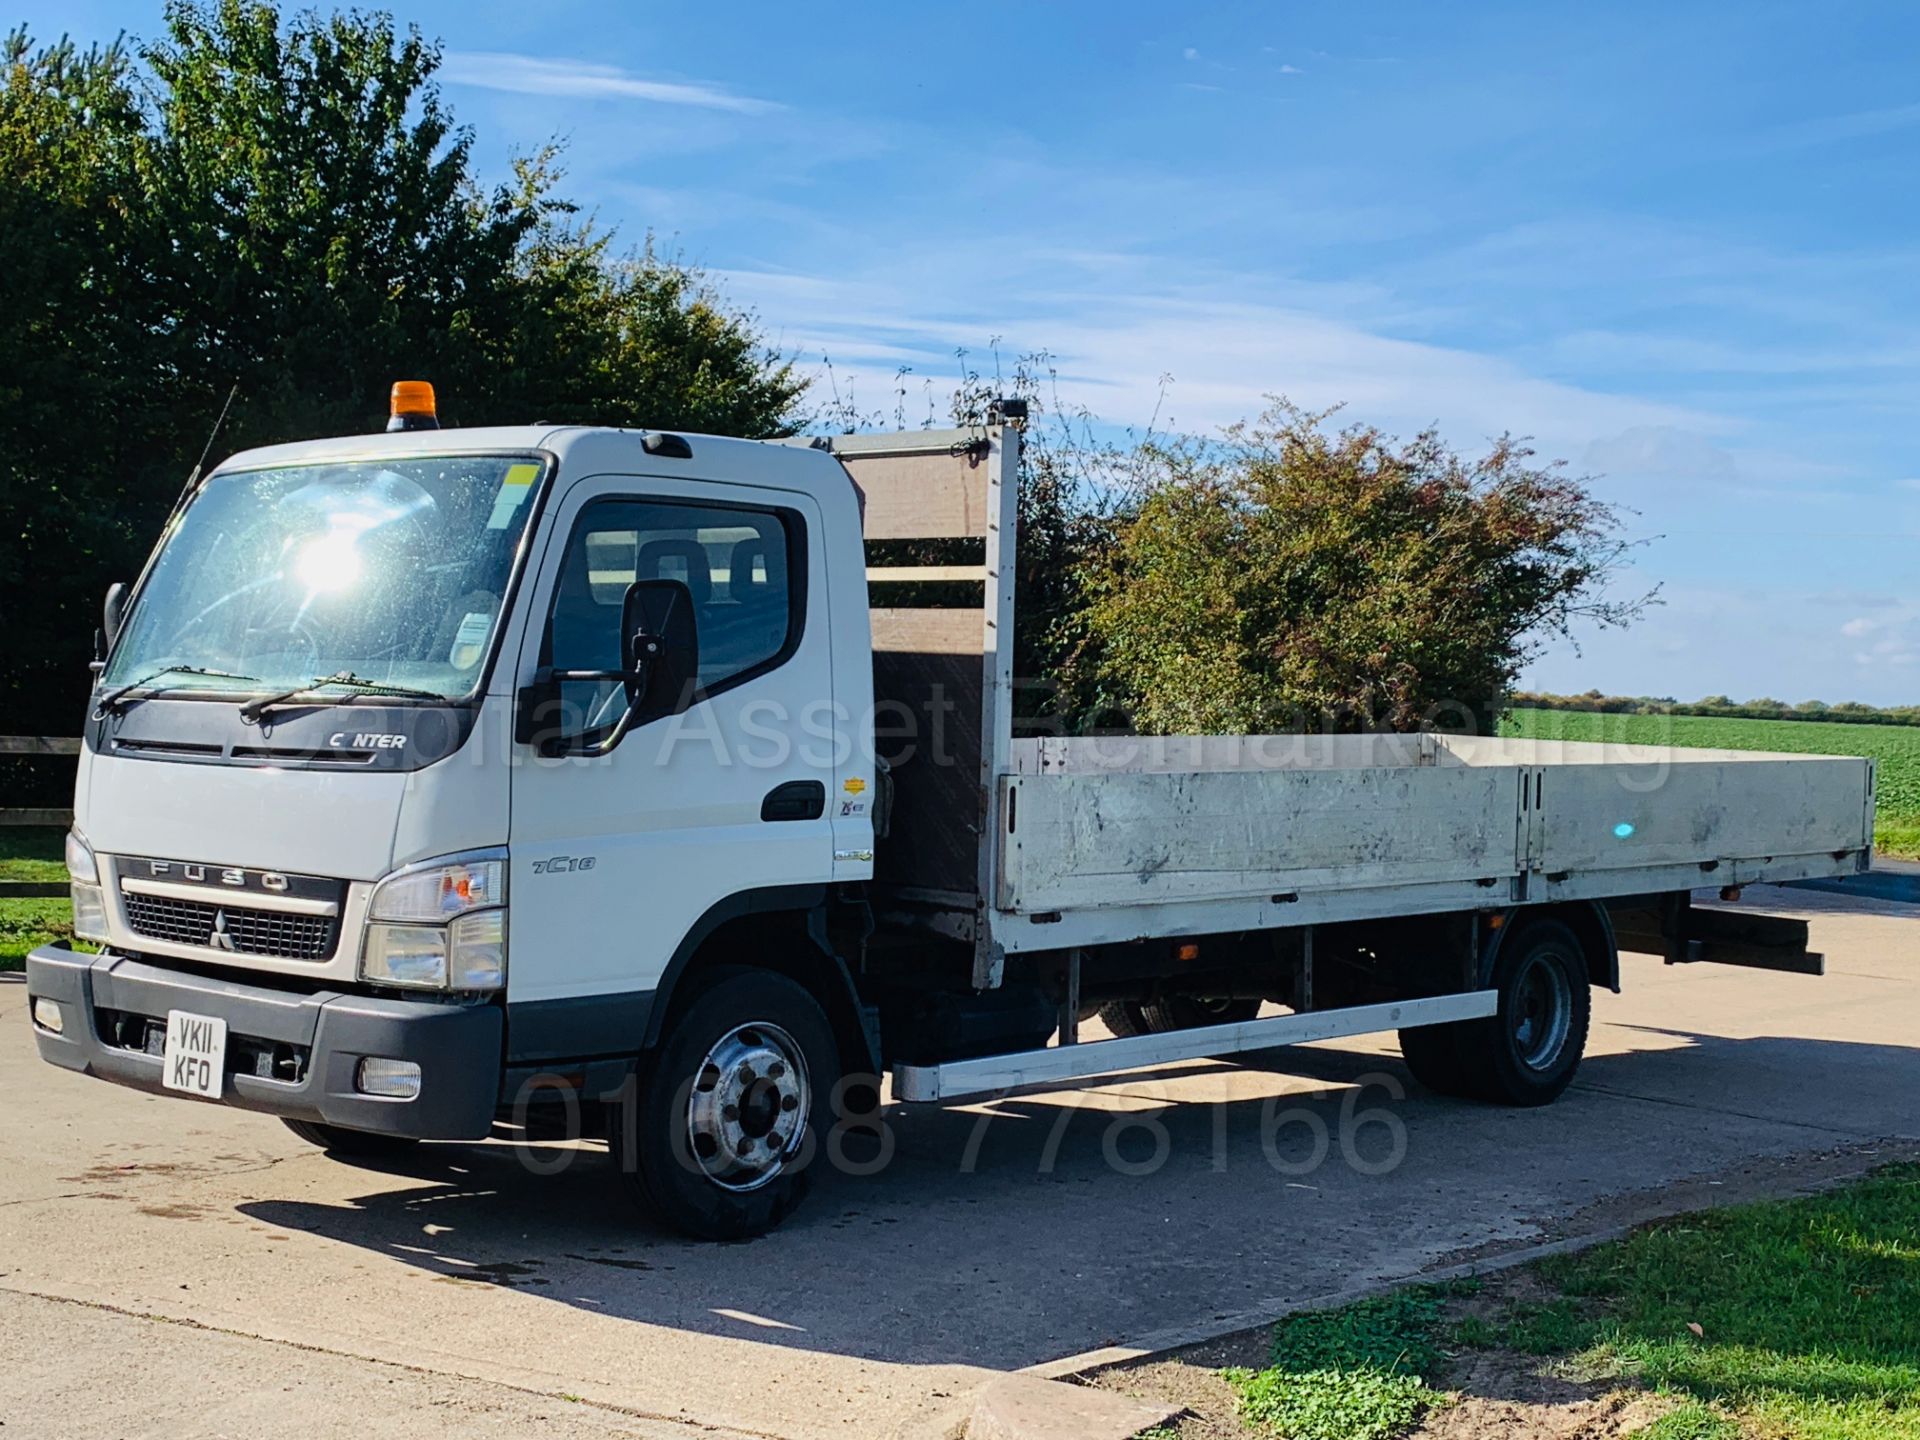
pixel 1289 577
pixel 289 205
pixel 81 366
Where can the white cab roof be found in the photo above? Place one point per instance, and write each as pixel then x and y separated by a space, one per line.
pixel 581 449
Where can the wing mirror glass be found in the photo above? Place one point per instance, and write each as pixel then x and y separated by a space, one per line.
pixel 659 647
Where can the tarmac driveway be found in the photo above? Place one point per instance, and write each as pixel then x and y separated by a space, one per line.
pixel 992 1238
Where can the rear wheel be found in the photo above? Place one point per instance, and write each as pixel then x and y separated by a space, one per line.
pixel 1173 1012
pixel 719 1135
pixel 351 1144
pixel 1432 1054
pixel 1189 1012
pixel 1527 1052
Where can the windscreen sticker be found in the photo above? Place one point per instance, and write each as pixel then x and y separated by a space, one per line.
pixel 470 641
pixel 513 492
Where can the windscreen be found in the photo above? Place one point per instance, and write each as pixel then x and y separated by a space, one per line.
pixel 393 572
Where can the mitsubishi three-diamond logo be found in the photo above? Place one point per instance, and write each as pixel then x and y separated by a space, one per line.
pixel 220 939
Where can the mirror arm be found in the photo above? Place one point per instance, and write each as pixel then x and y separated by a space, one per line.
pixel 634 680
pixel 614 736
pixel 625 677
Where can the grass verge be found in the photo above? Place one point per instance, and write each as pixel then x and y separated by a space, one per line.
pixel 32 853
pixel 1795 1318
pixel 27 924
pixel 1357 1373
pixel 1800 1317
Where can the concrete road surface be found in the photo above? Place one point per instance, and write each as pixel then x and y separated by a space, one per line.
pixel 170 1268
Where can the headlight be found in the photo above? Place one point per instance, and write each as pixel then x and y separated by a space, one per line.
pixel 440 926
pixel 477 956
pixel 405 955
pixel 434 894
pixel 89 913
pixel 89 904
pixel 80 863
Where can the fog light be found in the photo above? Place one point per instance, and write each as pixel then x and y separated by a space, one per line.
pixel 48 1015
pixel 389 1079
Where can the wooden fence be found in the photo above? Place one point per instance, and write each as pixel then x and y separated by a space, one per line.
pixel 22 746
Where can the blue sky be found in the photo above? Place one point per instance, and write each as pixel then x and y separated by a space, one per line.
pixel 1674 243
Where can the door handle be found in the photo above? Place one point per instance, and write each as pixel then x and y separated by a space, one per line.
pixel 795 800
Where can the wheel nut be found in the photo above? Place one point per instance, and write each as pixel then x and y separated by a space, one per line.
pixel 730 1112
pixel 776 1070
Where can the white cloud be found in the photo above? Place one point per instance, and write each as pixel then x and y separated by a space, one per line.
pixel 1190 53
pixel 1858 626
pixel 586 79
pixel 1225 355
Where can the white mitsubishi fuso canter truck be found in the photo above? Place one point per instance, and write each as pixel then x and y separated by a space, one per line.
pixel 444 775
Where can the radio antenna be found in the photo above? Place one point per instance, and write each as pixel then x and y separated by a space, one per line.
pixel 207 449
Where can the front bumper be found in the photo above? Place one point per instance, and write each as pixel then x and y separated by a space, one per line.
pixel 288 1053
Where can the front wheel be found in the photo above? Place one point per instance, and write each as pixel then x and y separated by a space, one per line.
pixel 1527 1051
pixel 718 1135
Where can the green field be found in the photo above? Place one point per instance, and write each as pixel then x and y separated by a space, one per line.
pixel 1896 747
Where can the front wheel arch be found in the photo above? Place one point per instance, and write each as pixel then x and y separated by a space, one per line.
pixel 782 929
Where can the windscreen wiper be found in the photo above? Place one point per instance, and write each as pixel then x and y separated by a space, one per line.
pixel 110 701
pixel 254 709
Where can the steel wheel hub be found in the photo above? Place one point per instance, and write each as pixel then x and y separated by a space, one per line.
pixel 1542 1012
pixel 747 1111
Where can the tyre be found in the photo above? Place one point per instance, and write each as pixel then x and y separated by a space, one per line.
pixel 1189 1012
pixel 1432 1054
pixel 1174 1012
pixel 1527 1052
pixel 351 1144
pixel 719 1135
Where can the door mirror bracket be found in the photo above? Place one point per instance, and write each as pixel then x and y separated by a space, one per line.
pixel 660 669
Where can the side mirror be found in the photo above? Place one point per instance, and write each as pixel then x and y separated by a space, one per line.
pixel 113 611
pixel 659 648
pixel 659 670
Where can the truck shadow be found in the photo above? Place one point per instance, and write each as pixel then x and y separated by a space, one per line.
pixel 1043 1225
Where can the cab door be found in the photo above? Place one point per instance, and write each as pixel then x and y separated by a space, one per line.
pixel 616 857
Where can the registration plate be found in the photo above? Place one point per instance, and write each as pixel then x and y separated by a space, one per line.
pixel 195 1060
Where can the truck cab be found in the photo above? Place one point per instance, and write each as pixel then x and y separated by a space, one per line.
pixel 376 786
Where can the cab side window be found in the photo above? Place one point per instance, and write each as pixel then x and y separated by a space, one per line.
pixel 744 567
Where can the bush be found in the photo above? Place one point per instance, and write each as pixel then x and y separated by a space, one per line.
pixel 1289 576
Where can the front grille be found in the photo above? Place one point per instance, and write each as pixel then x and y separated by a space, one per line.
pixel 249 932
